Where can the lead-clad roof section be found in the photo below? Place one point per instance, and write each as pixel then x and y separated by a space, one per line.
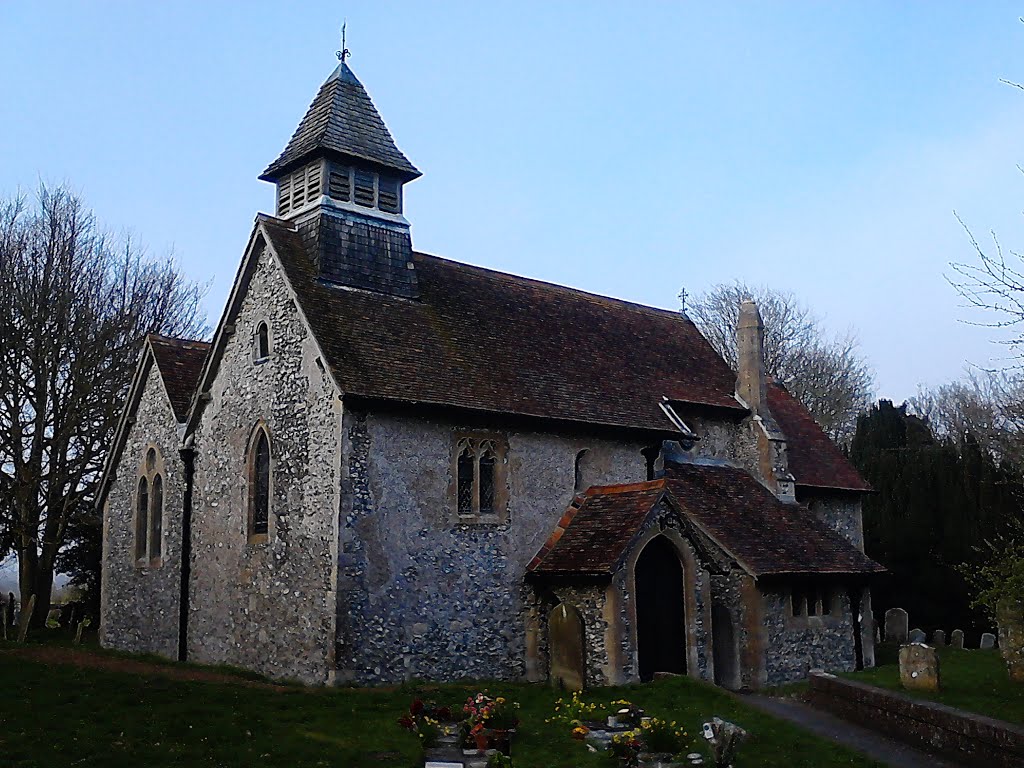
pixel 342 121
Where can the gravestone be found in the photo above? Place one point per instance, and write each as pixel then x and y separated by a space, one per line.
pixel 956 640
pixel 917 636
pixel 25 618
pixel 919 667
pixel 11 607
pixel 939 638
pixel 896 626
pixel 988 641
pixel 565 639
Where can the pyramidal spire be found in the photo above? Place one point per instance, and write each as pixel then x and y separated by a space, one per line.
pixel 342 123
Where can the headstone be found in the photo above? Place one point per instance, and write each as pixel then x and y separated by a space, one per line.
pixel 565 639
pixel 81 627
pixel 956 640
pixel 9 614
pixel 988 641
pixel 724 738
pixel 917 636
pixel 25 618
pixel 939 638
pixel 919 667
pixel 896 626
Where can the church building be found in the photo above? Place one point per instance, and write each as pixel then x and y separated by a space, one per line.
pixel 388 465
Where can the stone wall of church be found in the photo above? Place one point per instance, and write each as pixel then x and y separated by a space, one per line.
pixel 269 604
pixel 796 645
pixel 139 600
pixel 840 512
pixel 421 594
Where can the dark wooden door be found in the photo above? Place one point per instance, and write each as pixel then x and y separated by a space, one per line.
pixel 660 610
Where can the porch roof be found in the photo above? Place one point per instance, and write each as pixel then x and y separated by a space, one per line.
pixel 744 519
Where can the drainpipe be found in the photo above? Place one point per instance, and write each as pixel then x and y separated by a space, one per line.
pixel 188 456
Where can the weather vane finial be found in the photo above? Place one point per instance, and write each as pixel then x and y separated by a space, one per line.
pixel 344 53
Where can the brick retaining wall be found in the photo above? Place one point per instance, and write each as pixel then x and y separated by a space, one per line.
pixel 961 736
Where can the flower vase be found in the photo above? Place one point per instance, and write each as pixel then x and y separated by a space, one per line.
pixel 483 740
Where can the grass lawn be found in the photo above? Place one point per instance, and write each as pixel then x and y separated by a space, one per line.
pixel 973 680
pixel 67 715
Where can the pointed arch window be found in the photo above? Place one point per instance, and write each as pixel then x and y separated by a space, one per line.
pixel 141 520
pixel 480 478
pixel 259 486
pixel 149 510
pixel 261 343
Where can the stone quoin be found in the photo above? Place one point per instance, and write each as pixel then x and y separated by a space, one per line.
pixel 388 465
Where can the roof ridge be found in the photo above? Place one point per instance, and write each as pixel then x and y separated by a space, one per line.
pixel 645 485
pixel 178 340
pixel 597 297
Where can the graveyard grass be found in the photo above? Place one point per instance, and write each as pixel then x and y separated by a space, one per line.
pixel 972 680
pixel 67 715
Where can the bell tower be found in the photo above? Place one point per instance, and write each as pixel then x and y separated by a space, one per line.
pixel 340 179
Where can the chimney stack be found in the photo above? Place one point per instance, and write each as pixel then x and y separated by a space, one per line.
pixel 750 381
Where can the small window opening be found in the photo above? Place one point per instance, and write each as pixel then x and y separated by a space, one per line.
pixel 579 481
pixel 487 462
pixel 262 342
pixel 150 460
pixel 156 519
pixel 141 521
pixel 651 454
pixel 465 480
pixel 259 498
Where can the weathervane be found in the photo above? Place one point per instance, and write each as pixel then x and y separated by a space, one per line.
pixel 344 53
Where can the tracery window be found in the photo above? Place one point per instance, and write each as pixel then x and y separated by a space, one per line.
pixel 149 510
pixel 259 485
pixel 479 477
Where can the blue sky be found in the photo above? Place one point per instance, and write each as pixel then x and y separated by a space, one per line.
pixel 626 149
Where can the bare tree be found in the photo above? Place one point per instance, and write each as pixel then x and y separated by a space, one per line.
pixel 825 372
pixel 74 308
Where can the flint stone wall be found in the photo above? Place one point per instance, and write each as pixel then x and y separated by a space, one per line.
pixel 267 606
pixel 794 645
pixel 967 738
pixel 839 511
pixel 139 604
pixel 421 594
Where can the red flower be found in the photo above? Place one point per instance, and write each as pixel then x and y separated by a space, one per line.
pixel 406 722
pixel 416 707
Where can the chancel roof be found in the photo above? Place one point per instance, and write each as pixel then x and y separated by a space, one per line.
pixel 180 363
pixel 343 121
pixel 739 515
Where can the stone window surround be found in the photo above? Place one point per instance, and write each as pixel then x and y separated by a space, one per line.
pixel 822 595
pixel 256 357
pixel 150 474
pixel 252 537
pixel 500 444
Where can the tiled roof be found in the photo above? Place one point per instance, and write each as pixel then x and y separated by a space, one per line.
pixel 814 459
pixel 490 341
pixel 180 362
pixel 763 535
pixel 342 120
pixel 594 533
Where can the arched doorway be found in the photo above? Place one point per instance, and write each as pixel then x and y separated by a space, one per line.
pixel 660 611
pixel 723 639
pixel 565 641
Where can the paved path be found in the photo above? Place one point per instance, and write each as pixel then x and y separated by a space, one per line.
pixel 867 742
